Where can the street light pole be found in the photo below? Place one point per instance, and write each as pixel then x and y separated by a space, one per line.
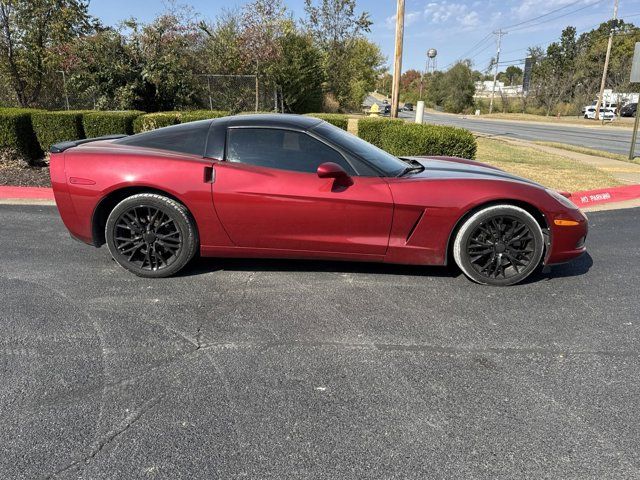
pixel 397 65
pixel 606 63
pixel 64 86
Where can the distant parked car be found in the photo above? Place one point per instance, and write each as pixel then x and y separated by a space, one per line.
pixel 612 106
pixel 606 113
pixel 408 107
pixel 629 110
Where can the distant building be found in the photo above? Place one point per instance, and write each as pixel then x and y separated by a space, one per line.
pixel 619 97
pixel 484 89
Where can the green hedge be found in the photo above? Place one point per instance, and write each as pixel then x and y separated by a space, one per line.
pixel 194 115
pixel 99 124
pixel 411 139
pixel 370 129
pixel 340 121
pixel 17 137
pixel 55 127
pixel 151 121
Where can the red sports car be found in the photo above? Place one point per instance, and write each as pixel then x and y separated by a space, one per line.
pixel 288 186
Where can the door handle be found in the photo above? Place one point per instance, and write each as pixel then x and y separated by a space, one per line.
pixel 209 175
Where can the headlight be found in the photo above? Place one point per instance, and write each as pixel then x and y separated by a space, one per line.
pixel 562 199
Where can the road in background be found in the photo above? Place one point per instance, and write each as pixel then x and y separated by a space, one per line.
pixel 284 369
pixel 612 140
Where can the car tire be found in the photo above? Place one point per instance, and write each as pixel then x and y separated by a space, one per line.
pixel 499 245
pixel 151 235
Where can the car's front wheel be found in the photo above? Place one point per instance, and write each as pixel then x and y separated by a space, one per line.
pixel 151 235
pixel 499 245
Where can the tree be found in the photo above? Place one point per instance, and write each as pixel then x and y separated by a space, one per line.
pixel 337 30
pixel 29 31
pixel 299 72
pixel 410 79
pixel 453 89
pixel 222 49
pixel 513 75
pixel 555 73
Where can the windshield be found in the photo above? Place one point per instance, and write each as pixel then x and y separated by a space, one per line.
pixel 386 163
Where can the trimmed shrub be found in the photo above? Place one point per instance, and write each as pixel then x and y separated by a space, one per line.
pixel 17 138
pixel 370 129
pixel 99 124
pixel 412 139
pixel 195 115
pixel 54 127
pixel 340 121
pixel 151 121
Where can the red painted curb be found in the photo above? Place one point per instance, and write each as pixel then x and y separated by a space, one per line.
pixel 605 195
pixel 32 193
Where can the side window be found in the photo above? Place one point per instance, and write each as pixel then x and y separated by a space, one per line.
pixel 281 149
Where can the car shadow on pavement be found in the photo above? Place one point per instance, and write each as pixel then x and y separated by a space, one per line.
pixel 207 265
pixel 201 266
pixel 575 268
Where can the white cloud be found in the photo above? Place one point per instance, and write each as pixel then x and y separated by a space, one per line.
pixel 459 13
pixel 409 19
pixel 471 19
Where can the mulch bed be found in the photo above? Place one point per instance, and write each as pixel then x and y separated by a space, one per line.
pixel 16 173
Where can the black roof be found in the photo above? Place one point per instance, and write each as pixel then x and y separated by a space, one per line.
pixel 191 137
pixel 270 120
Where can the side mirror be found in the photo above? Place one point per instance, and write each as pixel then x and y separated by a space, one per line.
pixel 333 170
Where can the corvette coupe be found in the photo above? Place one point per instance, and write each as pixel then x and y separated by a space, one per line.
pixel 289 186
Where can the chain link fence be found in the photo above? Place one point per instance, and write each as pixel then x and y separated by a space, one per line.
pixel 234 93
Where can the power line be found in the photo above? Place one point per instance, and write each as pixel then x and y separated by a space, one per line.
pixel 555 18
pixel 468 52
pixel 549 13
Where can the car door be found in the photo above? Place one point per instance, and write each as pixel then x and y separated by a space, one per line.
pixel 268 195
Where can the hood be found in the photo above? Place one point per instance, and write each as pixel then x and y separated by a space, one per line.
pixel 442 168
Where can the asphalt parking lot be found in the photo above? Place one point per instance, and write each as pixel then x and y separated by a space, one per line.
pixel 283 369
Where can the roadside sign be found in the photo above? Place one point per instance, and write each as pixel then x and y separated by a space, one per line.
pixel 635 65
pixel 526 78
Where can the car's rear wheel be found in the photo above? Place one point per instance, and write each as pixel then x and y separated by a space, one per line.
pixel 499 245
pixel 151 235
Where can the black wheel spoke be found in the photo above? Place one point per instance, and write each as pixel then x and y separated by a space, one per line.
pixel 147 237
pixel 501 247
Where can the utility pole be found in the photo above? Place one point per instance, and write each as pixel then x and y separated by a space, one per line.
pixel 499 33
pixel 606 61
pixel 397 65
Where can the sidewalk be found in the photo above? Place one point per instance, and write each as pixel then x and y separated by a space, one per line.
pixel 624 172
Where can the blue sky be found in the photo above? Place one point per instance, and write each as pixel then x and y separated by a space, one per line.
pixel 453 28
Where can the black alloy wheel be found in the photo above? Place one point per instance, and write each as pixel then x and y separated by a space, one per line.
pixel 500 245
pixel 151 235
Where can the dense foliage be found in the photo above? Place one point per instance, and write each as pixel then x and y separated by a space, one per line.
pixel 151 121
pixel 55 127
pixel 99 124
pixel 340 121
pixel 412 139
pixel 371 129
pixel 17 139
pixel 53 49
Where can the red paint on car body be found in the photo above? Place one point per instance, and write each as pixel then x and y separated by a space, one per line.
pixel 249 211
